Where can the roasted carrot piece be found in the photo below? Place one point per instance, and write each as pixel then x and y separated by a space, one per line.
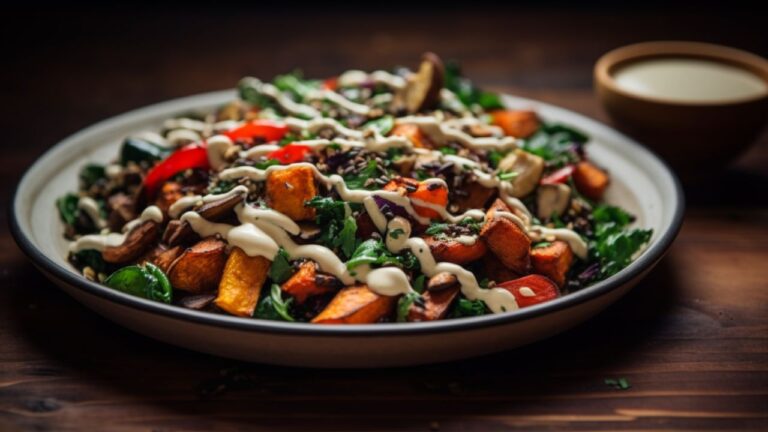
pixel 289 189
pixel 496 271
pixel 166 257
pixel 307 282
pixel 429 192
pixel 199 268
pixel 506 240
pixel 241 283
pixel 356 304
pixel 436 304
pixel 519 124
pixel 455 252
pixel 414 134
pixel 590 180
pixel 532 289
pixel 553 261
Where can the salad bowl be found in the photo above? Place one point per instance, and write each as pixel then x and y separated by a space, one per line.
pixel 640 183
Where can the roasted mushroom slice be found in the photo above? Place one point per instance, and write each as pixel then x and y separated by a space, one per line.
pixel 179 233
pixel 442 281
pixel 137 241
pixel 423 88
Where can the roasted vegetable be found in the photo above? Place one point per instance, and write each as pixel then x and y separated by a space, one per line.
pixel 356 304
pixel 532 289
pixel 519 124
pixel 552 200
pixel 307 282
pixel 435 305
pixel 452 250
pixel 413 134
pixel 423 89
pixel 139 240
pixel 553 261
pixel 523 170
pixel 428 192
pixel 241 283
pixel 506 240
pixel 199 268
pixel 146 281
pixel 590 180
pixel 289 189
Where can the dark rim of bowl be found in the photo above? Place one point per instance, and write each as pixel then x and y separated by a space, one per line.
pixel 649 257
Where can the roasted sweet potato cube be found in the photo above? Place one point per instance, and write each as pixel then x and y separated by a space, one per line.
pixel 519 124
pixel 307 282
pixel 450 250
pixel 506 240
pixel 241 283
pixel 436 304
pixel 531 290
pixel 553 261
pixel 474 196
pixel 414 134
pixel 590 180
pixel 289 189
pixel 356 304
pixel 166 257
pixel 496 271
pixel 200 267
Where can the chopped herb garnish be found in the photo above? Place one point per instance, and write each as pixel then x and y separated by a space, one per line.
pixel 404 305
pixel 613 244
pixel 382 125
pixel 418 283
pixel 447 150
pixel 465 308
pixel 373 252
pixel 338 229
pixel 507 175
pixel 273 307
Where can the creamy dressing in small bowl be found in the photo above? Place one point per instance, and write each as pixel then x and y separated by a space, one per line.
pixel 689 80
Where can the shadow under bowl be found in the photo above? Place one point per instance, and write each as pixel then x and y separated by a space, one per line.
pixel 695 137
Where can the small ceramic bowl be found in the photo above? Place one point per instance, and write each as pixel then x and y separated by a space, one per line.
pixel 695 137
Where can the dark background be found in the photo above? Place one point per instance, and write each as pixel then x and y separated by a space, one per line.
pixel 691 339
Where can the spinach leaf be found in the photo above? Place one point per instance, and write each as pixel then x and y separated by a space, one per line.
pixel 494 157
pixel 447 150
pixel 338 230
pixel 137 150
pixel 90 258
pixel 90 174
pixel 418 283
pixel 467 92
pixel 249 94
pixel 68 209
pixel 382 124
pixel 555 143
pixel 295 84
pixel 613 245
pixel 466 308
pixel 273 307
pixel 148 282
pixel 373 252
pixel 280 270
pixel 404 304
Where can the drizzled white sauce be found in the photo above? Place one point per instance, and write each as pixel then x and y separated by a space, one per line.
pixel 441 133
pixel 526 292
pixel 182 135
pixel 285 102
pixel 100 242
pixel 339 100
pixel 217 149
pixel 153 137
pixel 357 78
pixel 91 208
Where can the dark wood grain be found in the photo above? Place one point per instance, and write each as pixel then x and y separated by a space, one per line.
pixel 691 339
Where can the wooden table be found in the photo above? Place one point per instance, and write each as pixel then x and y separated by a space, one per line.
pixel 691 340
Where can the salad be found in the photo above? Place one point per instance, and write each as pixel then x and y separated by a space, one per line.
pixel 390 196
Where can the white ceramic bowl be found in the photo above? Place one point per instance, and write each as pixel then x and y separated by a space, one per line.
pixel 640 182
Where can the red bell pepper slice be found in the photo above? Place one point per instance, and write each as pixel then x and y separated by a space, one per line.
pixel 559 176
pixel 331 83
pixel 268 130
pixel 188 157
pixel 543 289
pixel 289 154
